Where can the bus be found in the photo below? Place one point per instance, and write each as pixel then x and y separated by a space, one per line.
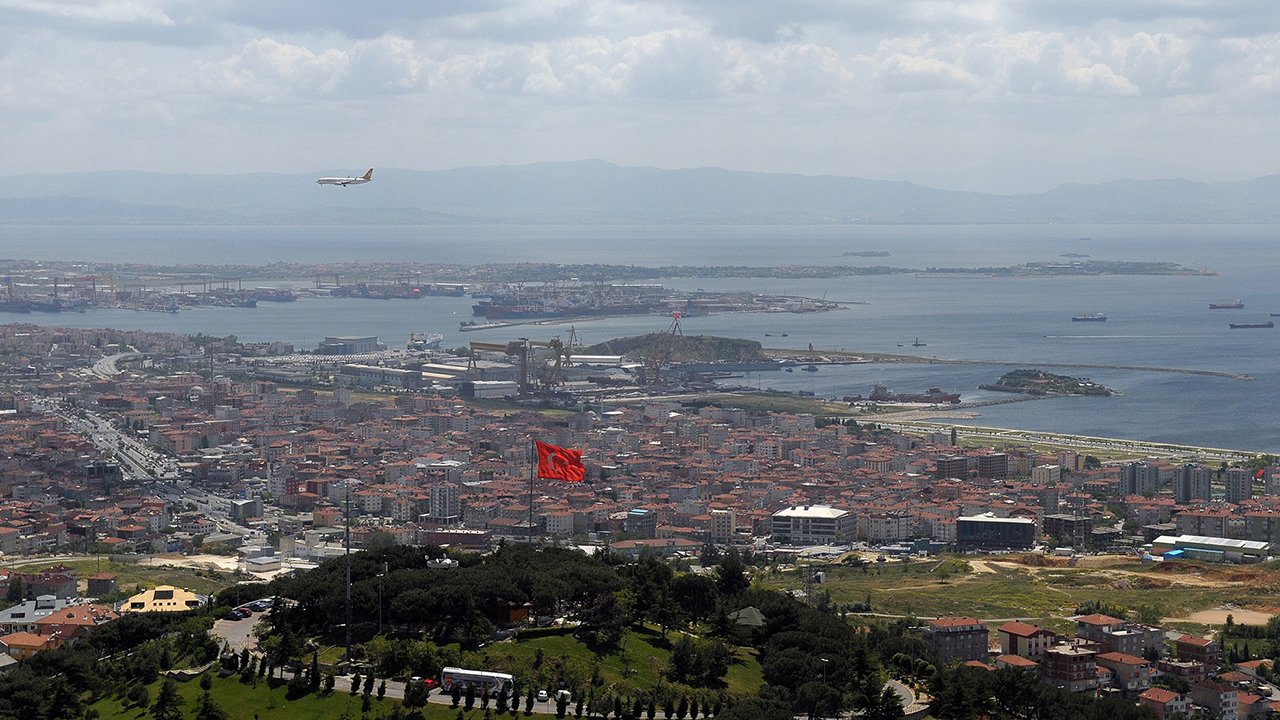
pixel 493 682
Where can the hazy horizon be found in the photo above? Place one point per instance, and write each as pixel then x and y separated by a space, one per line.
pixel 983 95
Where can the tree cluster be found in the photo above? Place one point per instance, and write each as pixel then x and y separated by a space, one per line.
pixel 121 657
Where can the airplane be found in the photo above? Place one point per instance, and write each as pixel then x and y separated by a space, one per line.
pixel 345 181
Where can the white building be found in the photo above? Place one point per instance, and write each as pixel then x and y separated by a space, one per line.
pixel 813 525
pixel 1046 474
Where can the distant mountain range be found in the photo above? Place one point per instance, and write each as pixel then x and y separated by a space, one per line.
pixel 597 192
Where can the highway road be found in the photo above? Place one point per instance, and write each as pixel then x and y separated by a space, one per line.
pixel 140 462
pixel 1084 443
pixel 107 367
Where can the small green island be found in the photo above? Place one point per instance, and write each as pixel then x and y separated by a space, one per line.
pixel 1039 382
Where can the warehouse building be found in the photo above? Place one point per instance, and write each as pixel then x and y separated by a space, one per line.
pixel 1211 549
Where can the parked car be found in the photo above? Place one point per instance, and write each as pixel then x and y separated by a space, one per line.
pixel 542 696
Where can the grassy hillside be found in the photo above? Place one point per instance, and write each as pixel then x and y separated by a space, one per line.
pixel 638 663
pixel 268 702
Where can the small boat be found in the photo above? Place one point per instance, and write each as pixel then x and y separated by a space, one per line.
pixel 810 368
pixel 1233 305
pixel 917 343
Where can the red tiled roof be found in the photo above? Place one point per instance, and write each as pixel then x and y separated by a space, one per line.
pixel 1159 695
pixel 953 621
pixel 1098 619
pixel 1020 629
pixel 1017 661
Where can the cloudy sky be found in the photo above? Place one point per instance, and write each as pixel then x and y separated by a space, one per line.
pixel 1001 95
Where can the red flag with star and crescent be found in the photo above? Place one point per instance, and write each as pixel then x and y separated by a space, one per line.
pixel 557 463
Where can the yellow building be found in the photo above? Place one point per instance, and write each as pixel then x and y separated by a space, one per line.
pixel 165 598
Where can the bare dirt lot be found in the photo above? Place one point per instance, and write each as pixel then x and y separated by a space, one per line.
pixel 1218 616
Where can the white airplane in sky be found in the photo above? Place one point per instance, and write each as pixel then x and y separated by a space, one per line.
pixel 345 181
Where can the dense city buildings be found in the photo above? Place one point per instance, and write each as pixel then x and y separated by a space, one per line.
pixel 290 458
pixel 273 469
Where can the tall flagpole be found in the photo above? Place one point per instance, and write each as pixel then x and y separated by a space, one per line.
pixel 533 465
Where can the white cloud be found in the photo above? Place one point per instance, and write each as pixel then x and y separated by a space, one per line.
pixel 755 83
pixel 113 12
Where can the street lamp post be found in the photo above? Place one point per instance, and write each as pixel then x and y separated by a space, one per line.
pixel 825 662
pixel 381 581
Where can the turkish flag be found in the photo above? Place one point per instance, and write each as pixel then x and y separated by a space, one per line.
pixel 557 463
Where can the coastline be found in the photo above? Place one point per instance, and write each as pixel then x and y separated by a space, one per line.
pixel 823 357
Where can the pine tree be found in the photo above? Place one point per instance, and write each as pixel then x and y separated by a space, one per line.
pixel 168 704
pixel 207 709
pixel 355 683
pixel 382 689
pixel 313 679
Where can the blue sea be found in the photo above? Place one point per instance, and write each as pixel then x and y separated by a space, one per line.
pixel 1153 320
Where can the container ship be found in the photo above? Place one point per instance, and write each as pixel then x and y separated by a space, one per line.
pixel 1250 326
pixel 1234 305
pixel 1092 317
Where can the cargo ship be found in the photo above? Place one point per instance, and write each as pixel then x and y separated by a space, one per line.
pixel 1092 317
pixel 1250 326
pixel 269 294
pixel 933 395
pixel 1234 305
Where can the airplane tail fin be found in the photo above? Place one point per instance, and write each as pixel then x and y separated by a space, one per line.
pixel 368 175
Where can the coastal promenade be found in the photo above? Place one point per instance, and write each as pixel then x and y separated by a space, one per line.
pixel 1111 447
pixel 844 357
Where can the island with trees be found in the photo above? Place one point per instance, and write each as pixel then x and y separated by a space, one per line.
pixel 1041 383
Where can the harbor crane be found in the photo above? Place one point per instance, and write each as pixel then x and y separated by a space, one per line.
pixel 659 354
pixel 544 377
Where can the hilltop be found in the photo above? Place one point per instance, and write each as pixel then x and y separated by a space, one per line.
pixel 685 348
pixel 597 192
